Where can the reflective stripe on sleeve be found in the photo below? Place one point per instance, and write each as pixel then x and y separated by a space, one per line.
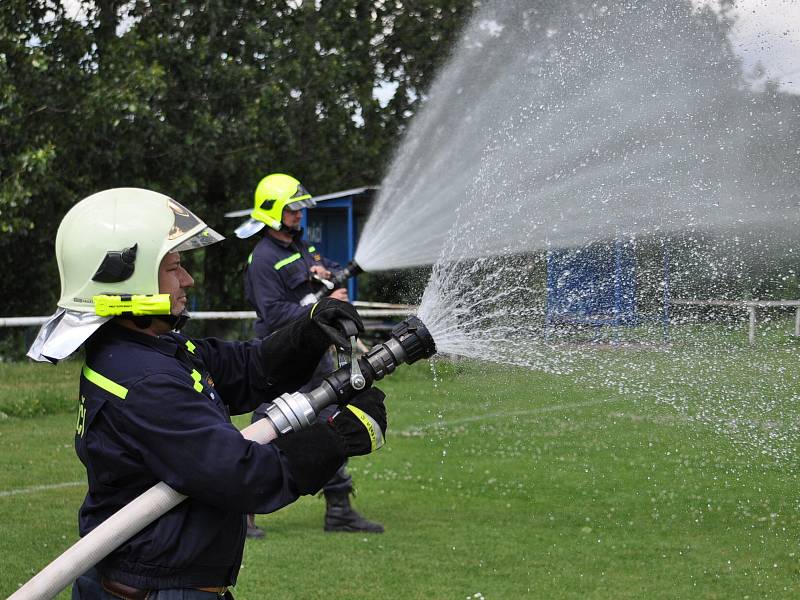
pixel 104 382
pixel 287 261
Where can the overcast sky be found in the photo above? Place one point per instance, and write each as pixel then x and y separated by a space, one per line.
pixel 767 32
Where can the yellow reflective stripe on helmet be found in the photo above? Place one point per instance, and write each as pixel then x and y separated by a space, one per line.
pixel 190 346
pixel 197 377
pixel 373 429
pixel 104 383
pixel 288 260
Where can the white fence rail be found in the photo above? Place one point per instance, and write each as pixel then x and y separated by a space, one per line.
pixel 365 309
pixel 752 307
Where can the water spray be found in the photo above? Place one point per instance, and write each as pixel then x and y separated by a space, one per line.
pixel 409 342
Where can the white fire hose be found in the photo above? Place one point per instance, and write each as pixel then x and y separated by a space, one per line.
pixel 116 530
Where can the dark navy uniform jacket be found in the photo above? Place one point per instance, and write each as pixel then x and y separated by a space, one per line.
pixel 157 409
pixel 278 278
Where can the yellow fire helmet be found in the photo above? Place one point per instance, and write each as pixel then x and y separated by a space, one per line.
pixel 109 247
pixel 274 193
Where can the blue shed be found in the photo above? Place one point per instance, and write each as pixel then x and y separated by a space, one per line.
pixel 592 285
pixel 597 285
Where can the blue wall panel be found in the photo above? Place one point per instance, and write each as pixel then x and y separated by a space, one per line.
pixel 595 284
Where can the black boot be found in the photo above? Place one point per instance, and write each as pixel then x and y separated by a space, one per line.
pixel 252 530
pixel 340 516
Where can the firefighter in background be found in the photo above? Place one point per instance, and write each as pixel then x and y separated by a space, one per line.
pixel 155 405
pixel 283 273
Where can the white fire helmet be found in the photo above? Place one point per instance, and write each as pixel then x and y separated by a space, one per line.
pixel 109 247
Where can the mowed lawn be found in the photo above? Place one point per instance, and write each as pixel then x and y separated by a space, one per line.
pixel 496 483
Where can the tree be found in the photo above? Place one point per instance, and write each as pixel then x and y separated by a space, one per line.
pixel 197 100
pixel 41 80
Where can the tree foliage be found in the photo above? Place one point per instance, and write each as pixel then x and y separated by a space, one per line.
pixel 197 100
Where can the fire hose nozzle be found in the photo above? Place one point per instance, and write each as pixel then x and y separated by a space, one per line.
pixel 357 381
pixel 409 342
pixel 351 270
pixel 416 340
pixel 326 283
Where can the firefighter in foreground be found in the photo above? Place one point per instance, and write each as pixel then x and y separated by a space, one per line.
pixel 155 405
pixel 282 274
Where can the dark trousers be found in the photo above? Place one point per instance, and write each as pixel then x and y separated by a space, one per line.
pixel 341 482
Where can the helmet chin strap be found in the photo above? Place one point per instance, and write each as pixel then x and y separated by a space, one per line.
pixel 180 320
pixel 175 323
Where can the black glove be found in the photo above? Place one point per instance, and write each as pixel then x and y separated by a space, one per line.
pixel 314 455
pixel 362 423
pixel 329 315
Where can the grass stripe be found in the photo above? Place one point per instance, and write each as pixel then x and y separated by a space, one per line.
pixel 40 488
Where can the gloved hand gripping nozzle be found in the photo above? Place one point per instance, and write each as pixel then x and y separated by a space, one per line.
pixel 351 270
pixel 409 342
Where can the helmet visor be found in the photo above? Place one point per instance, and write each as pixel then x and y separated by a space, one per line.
pixel 206 237
pixel 300 199
pixel 300 193
pixel 299 204
pixel 185 222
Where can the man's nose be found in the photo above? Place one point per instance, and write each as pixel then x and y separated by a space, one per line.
pixel 187 280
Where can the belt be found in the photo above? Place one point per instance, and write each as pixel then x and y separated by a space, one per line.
pixel 127 592
pixel 219 590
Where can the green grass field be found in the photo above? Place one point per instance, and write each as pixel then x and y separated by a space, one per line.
pixel 499 483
